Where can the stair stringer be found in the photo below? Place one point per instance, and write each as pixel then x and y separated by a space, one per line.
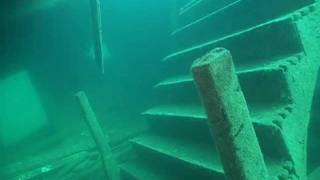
pixel 301 76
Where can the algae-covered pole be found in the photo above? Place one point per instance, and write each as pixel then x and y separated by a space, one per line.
pixel 228 116
pixel 109 164
pixel 97 33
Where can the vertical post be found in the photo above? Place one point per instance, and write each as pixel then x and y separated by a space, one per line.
pixel 228 116
pixel 109 164
pixel 97 33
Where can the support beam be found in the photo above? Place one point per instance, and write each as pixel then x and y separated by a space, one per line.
pixel 97 33
pixel 109 164
pixel 228 116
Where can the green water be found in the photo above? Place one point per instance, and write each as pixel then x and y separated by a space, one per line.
pixel 146 101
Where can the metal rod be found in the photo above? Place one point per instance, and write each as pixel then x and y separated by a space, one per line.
pixel 109 164
pixel 228 116
pixel 97 33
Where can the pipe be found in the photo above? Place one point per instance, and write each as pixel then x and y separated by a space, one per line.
pixel 97 33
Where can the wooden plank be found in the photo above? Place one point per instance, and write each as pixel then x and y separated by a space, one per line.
pixel 110 167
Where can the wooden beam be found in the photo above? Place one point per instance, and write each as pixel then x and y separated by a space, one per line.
pixel 228 116
pixel 109 164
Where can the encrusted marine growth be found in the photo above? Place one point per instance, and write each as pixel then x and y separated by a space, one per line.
pixel 228 116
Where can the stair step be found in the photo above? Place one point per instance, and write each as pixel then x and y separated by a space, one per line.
pixel 200 9
pixel 198 157
pixel 164 120
pixel 195 112
pixel 248 12
pixel 187 78
pixel 258 45
pixel 175 80
pixel 192 112
pixel 189 6
pixel 265 85
pixel 193 160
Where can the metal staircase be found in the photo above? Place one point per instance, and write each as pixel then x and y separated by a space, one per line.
pixel 276 55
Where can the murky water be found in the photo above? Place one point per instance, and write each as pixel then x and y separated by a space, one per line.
pixel 154 124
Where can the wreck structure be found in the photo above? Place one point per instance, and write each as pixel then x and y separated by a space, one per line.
pixel 251 101
pixel 276 56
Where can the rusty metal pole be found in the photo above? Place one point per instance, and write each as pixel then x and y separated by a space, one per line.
pixel 228 116
pixel 97 33
pixel 109 164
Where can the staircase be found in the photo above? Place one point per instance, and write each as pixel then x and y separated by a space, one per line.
pixel 276 54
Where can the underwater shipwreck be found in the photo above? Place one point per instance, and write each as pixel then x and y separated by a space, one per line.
pixel 160 90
